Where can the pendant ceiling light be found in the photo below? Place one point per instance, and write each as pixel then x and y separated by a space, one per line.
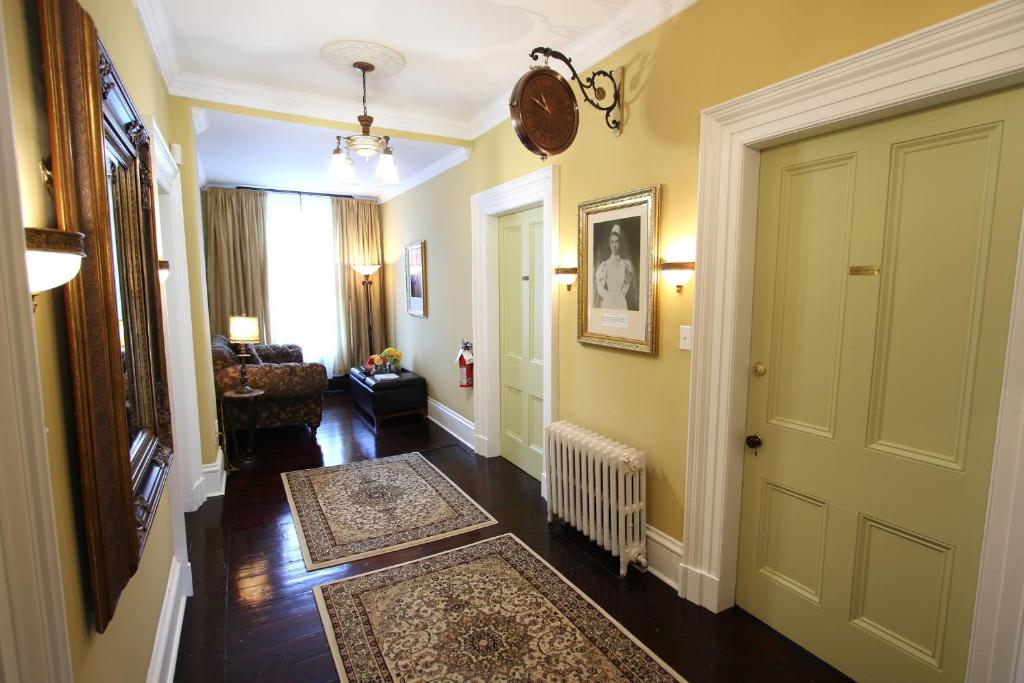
pixel 367 145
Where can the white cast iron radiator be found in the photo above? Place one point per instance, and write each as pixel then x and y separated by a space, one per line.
pixel 598 486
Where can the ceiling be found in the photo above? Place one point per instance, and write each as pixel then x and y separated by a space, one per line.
pixel 235 149
pixel 462 56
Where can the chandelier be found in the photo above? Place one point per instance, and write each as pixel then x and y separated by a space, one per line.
pixel 342 168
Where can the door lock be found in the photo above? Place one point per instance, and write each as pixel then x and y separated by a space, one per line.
pixel 760 369
pixel 753 441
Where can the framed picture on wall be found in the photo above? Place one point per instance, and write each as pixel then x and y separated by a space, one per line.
pixel 416 279
pixel 618 271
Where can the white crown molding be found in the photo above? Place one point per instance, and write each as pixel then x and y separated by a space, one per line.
pixel 448 161
pixel 159 31
pixel 628 23
pixel 297 102
pixel 631 21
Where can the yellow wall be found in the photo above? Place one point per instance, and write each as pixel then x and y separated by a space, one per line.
pixel 714 51
pixel 122 653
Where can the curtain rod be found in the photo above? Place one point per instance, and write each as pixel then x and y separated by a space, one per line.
pixel 314 194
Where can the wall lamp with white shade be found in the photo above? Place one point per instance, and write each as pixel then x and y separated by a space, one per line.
pixel 678 273
pixel 163 269
pixel 53 257
pixel 566 275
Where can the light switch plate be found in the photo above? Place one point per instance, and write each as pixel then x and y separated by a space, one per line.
pixel 686 337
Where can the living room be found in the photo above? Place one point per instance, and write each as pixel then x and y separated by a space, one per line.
pixel 606 290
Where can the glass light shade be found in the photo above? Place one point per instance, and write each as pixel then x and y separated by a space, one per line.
pixel 164 268
pixel 53 257
pixel 243 329
pixel 342 170
pixel 677 274
pixel 387 171
pixel 366 269
pixel 565 276
pixel 365 146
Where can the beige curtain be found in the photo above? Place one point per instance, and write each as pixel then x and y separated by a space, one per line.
pixel 358 239
pixel 236 257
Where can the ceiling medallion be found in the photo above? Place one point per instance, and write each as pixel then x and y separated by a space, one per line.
pixel 543 106
pixel 342 54
pixel 367 145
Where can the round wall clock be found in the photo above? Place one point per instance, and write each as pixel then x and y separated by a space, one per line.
pixel 544 112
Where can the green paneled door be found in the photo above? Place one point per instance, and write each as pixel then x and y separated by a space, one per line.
pixel 884 271
pixel 522 353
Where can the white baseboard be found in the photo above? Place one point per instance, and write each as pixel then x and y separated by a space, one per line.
pixel 214 477
pixel 449 420
pixel 699 588
pixel 168 630
pixel 544 485
pixel 664 556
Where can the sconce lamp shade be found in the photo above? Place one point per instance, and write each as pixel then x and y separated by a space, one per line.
pixel 243 329
pixel 366 269
pixel 566 275
pixel 678 273
pixel 164 267
pixel 53 257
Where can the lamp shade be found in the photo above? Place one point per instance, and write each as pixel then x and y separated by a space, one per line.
pixel 387 171
pixel 53 257
pixel 164 267
pixel 366 269
pixel 678 273
pixel 243 329
pixel 342 169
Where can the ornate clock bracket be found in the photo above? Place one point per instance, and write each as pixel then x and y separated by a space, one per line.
pixel 612 109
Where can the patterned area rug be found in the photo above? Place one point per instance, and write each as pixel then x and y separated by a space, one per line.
pixel 489 611
pixel 370 507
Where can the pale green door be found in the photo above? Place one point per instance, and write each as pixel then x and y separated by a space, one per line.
pixel 522 351
pixel 885 263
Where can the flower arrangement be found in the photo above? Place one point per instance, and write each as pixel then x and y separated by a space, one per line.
pixel 392 356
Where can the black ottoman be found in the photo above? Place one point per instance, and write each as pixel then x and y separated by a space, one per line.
pixel 385 398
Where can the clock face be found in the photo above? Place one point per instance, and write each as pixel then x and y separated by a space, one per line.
pixel 544 112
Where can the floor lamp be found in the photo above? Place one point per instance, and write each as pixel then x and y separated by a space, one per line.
pixel 366 270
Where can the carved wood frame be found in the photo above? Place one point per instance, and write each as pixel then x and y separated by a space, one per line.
pixel 88 109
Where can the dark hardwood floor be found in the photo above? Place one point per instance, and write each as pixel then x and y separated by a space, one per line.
pixel 253 618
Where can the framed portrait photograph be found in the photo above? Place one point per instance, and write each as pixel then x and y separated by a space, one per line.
pixel 618 271
pixel 416 279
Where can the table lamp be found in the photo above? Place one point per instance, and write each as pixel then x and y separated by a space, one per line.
pixel 243 330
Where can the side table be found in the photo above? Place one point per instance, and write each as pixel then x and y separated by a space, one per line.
pixel 245 399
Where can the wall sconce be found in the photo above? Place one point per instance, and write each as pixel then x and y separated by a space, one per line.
pixel 678 273
pixel 566 275
pixel 164 269
pixel 53 257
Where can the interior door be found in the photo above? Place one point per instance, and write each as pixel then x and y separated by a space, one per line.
pixel 522 350
pixel 885 260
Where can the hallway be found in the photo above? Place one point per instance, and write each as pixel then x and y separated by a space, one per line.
pixel 253 617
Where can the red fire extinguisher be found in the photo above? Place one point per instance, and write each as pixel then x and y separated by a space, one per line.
pixel 465 360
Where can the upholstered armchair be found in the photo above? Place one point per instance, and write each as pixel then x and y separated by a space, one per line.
pixel 294 390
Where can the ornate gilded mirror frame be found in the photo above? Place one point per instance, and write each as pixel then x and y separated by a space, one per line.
pixel 102 186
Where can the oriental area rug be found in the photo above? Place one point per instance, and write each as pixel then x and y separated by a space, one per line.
pixel 370 507
pixel 488 611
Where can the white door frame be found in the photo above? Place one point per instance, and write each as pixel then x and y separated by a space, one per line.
pixel 34 643
pixel 974 53
pixel 539 187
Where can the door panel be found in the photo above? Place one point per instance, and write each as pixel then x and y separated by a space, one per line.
pixel 522 357
pixel 885 261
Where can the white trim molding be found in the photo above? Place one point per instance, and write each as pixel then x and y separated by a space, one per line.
pixel 539 187
pixel 164 655
pixel 973 53
pixel 664 556
pixel 450 421
pixel 34 644
pixel 631 21
pixel 215 477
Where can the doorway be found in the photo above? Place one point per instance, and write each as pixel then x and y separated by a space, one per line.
pixel 884 270
pixel 521 324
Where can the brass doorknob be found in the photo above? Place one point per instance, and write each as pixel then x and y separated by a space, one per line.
pixel 760 369
pixel 754 441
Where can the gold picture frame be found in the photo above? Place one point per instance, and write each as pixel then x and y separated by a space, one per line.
pixel 416 279
pixel 618 271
